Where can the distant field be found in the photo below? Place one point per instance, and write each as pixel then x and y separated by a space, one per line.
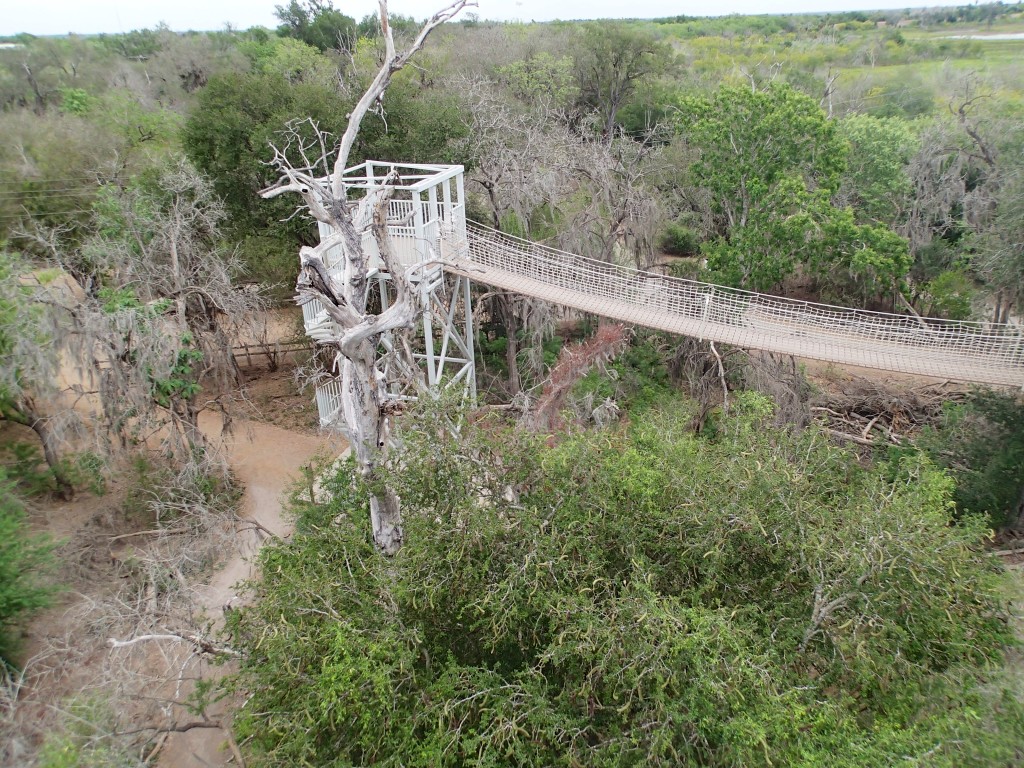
pixel 1013 27
pixel 921 65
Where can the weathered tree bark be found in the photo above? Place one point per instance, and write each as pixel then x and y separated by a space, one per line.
pixel 506 310
pixel 364 394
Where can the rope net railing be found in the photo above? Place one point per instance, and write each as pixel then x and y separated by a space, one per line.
pixel 971 351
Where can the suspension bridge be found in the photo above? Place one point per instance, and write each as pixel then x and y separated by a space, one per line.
pixel 444 253
pixel 965 351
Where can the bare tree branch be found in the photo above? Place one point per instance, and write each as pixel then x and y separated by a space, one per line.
pixel 339 285
pixel 392 63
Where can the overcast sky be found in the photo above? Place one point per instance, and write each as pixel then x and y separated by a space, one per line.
pixel 57 17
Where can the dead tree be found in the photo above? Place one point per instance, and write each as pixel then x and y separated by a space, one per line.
pixel 359 331
pixel 522 163
pixel 620 216
pixel 574 362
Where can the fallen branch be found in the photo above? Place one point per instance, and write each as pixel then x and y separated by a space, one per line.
pixel 910 308
pixel 721 378
pixel 175 728
pixel 201 643
pixel 867 429
pixel 235 751
pixel 849 438
pixel 159 745
pixel 820 409
pixel 155 531
pixel 257 525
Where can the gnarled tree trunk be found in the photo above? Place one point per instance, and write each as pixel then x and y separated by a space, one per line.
pixel 359 332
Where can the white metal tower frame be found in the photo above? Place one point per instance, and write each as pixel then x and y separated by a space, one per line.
pixel 427 207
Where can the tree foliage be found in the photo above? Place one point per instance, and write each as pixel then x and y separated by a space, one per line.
pixel 612 59
pixel 238 116
pixel 642 597
pixel 875 182
pixel 317 23
pixel 25 561
pixel 770 163
pixel 982 443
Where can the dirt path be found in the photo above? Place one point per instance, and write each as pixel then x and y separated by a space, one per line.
pixel 265 459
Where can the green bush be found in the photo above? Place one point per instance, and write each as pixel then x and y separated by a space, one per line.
pixel 638 380
pixel 85 739
pixel 982 443
pixel 25 563
pixel 950 295
pixel 27 469
pixel 25 466
pixel 270 262
pixel 679 240
pixel 630 598
pixel 75 101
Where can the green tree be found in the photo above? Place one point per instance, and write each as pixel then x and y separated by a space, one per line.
pixel 297 62
pixel 139 44
pixel 612 59
pixel 541 79
pixel 875 183
pixel 369 25
pixel 75 101
pixel 237 118
pixel 34 74
pixel 770 163
pixel 228 138
pixel 317 23
pixel 25 562
pixel 752 142
pixel 907 97
pixel 982 443
pixel 647 597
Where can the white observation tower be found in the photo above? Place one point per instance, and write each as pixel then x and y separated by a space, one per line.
pixel 427 206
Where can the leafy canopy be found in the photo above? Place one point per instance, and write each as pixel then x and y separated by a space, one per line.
pixel 982 443
pixel 647 597
pixel 239 116
pixel 771 162
pixel 317 23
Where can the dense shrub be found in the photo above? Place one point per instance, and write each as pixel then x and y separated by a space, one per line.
pixel 24 562
pixel 679 240
pixel 630 598
pixel 982 443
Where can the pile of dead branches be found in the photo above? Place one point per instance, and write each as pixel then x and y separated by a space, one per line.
pixel 870 413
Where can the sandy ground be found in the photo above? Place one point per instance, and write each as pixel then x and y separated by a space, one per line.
pixel 266 460
pixel 266 453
